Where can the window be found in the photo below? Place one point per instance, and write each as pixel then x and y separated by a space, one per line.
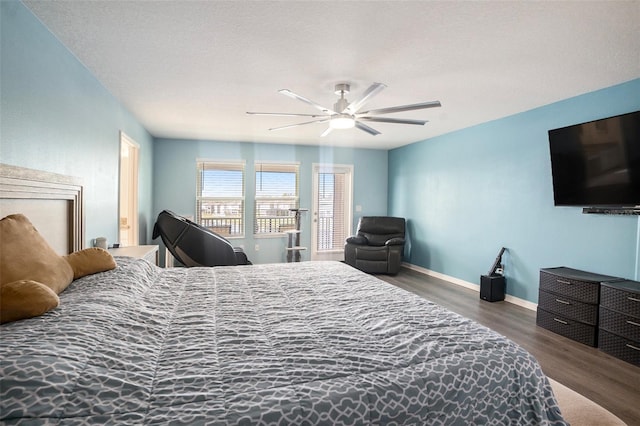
pixel 220 197
pixel 276 194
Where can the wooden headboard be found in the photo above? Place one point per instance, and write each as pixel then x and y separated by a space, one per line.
pixel 52 202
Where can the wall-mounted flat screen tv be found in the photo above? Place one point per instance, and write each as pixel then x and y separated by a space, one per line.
pixel 597 163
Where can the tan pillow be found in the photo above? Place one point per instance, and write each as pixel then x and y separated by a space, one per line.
pixel 25 255
pixel 90 261
pixel 25 299
pixel 32 274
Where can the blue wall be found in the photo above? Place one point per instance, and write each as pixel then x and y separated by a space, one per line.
pixel 57 117
pixel 468 193
pixel 175 182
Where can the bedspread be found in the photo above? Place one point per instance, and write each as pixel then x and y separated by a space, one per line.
pixel 290 344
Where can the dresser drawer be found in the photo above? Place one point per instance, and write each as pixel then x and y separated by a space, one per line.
pixel 620 324
pixel 568 307
pixel 621 299
pixel 618 347
pixel 584 291
pixel 567 327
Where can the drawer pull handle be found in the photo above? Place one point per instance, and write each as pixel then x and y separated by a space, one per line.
pixel 563 302
pixel 633 323
pixel 560 321
pixel 564 282
pixel 632 347
pixel 633 299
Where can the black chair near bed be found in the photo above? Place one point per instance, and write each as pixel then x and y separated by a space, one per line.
pixel 377 246
pixel 194 245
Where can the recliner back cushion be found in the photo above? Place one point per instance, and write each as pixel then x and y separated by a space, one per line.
pixel 379 229
pixel 376 239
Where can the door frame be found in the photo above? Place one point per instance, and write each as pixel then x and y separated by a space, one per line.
pixel 132 186
pixel 317 168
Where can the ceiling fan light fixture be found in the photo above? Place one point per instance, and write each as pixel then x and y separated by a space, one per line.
pixel 347 115
pixel 342 121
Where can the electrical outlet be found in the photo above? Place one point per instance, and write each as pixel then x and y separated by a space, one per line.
pixel 257 248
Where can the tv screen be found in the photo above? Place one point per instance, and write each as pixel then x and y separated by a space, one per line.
pixel 597 163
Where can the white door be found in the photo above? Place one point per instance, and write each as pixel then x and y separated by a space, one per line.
pixel 331 211
pixel 128 214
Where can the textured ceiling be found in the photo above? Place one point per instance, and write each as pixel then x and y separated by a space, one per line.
pixel 191 69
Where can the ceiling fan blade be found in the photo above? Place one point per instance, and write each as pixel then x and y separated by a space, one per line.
pixel 367 129
pixel 394 120
pixel 285 114
pixel 373 90
pixel 289 93
pixel 324 120
pixel 326 132
pixel 401 108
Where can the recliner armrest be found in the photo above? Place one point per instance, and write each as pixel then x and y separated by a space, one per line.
pixel 394 242
pixel 357 240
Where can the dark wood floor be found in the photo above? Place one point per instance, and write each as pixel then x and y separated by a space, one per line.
pixel 610 382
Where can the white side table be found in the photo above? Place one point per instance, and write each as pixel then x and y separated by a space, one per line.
pixel 149 253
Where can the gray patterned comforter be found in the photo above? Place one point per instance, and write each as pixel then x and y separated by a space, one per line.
pixel 290 344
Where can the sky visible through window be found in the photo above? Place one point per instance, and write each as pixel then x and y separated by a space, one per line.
pixel 228 183
pixel 222 183
pixel 275 184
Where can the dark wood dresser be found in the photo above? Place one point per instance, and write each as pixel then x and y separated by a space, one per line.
pixel 619 326
pixel 568 303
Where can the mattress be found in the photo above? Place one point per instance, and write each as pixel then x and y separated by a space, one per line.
pixel 284 344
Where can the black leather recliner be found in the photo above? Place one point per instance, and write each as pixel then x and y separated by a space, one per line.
pixel 377 246
pixel 195 245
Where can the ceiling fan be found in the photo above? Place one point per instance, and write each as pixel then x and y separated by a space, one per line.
pixel 345 114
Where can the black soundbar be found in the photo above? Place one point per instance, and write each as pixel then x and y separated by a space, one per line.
pixel 632 211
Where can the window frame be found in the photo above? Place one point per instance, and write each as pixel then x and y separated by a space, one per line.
pixel 336 251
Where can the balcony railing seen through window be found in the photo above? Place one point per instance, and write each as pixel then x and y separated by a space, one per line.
pixel 222 216
pixel 274 215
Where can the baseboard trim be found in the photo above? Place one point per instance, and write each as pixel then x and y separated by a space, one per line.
pixel 475 287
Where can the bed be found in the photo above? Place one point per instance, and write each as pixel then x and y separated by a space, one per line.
pixel 292 344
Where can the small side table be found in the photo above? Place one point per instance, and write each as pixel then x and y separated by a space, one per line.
pixel 149 253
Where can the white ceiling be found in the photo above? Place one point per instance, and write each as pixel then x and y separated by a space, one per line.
pixel 191 69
